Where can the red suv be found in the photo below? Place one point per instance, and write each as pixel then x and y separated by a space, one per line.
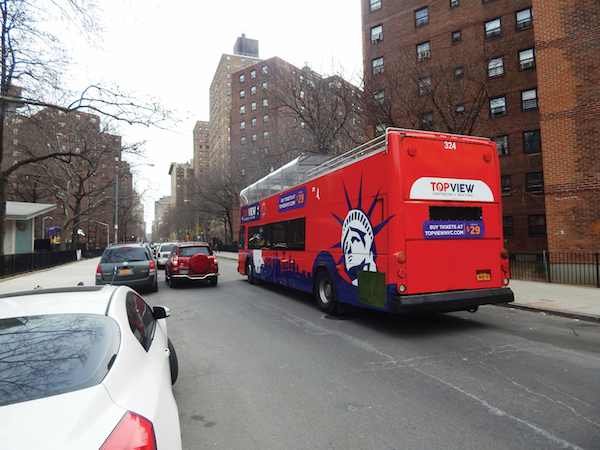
pixel 192 261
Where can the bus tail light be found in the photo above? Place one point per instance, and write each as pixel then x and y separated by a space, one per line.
pixel 401 257
pixel 504 254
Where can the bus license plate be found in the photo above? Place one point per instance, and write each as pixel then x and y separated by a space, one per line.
pixel 125 272
pixel 484 276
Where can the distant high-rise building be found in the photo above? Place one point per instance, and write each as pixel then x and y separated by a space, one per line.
pixel 201 148
pixel 220 103
pixel 246 47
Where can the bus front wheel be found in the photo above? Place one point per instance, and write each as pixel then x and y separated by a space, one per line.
pixel 325 293
pixel 250 272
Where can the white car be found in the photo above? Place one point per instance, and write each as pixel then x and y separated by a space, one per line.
pixel 163 251
pixel 88 367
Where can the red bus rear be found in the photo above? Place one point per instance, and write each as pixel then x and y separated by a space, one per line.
pixel 409 222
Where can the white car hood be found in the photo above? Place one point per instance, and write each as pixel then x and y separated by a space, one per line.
pixel 77 420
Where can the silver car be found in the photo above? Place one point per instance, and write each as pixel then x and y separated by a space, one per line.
pixel 132 265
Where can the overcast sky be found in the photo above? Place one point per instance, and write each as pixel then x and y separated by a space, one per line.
pixel 170 50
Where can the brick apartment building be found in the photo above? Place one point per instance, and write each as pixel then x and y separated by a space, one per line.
pixel 80 188
pixel 521 72
pixel 280 112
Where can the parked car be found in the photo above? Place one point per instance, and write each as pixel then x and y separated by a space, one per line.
pixel 192 261
pixel 132 264
pixel 86 367
pixel 163 251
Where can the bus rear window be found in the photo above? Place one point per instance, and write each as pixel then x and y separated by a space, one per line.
pixel 455 213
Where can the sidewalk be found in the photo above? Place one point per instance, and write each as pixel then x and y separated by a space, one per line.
pixel 577 302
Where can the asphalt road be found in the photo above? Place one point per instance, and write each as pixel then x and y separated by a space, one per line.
pixel 262 368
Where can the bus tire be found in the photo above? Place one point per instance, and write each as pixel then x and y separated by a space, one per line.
pixel 250 272
pixel 325 293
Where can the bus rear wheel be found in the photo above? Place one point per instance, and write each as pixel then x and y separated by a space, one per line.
pixel 325 293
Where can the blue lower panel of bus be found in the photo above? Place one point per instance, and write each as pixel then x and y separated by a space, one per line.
pixel 449 301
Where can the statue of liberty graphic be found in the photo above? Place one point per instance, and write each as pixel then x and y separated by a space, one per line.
pixel 358 238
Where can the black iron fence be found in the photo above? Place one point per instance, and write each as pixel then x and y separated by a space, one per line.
pixel 28 262
pixel 556 267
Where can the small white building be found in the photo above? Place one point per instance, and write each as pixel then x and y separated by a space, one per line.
pixel 20 225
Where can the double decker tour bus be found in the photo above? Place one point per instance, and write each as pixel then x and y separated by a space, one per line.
pixel 410 222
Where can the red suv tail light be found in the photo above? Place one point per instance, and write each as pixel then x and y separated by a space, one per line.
pixel 132 433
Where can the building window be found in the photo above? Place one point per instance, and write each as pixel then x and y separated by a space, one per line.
pixel 254 138
pixel 265 135
pixel 375 4
pixel 458 72
pixel 242 93
pixel 496 67
pixel 529 99
pixel 253 106
pixel 498 107
pixel 537 225
pixel 253 122
pixel 242 109
pixel 423 51
pixel 527 59
pixel 264 69
pixel 265 118
pixel 242 125
pixel 242 77
pixel 252 74
pixel 427 121
pixel 243 140
pixel 532 141
pixel 505 184
pixel 493 29
pixel 524 19
pixel 501 144
pixel 379 98
pixel 377 34
pixel 377 65
pixel 534 182
pixel 265 102
pixel 507 226
pixel 459 110
pixel 424 86
pixel 422 17
pixel 265 84
pixel 456 37
pixel 454 3
pixel 253 90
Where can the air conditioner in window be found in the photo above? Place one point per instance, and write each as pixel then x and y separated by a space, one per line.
pixel 527 64
pixel 377 38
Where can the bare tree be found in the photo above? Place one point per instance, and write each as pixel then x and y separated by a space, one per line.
pixel 31 64
pixel 425 94
pixel 325 112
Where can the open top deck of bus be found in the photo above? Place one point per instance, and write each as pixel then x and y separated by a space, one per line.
pixel 306 168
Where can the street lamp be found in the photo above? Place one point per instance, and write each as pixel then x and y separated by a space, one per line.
pixel 107 233
pixel 44 225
